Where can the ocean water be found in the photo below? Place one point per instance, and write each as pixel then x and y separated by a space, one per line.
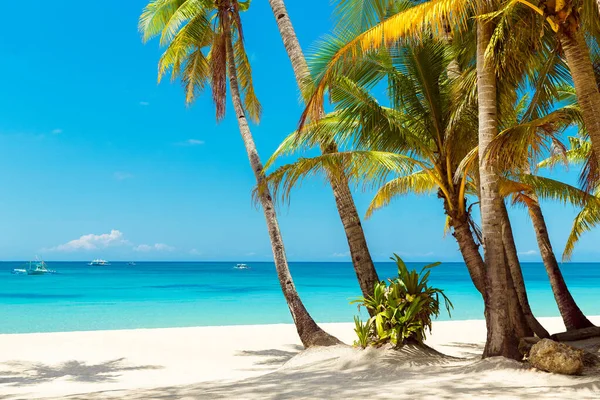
pixel 178 294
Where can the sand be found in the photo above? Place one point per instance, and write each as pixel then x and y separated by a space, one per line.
pixel 267 362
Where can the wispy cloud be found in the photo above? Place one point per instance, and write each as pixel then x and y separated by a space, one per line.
pixel 144 103
pixel 409 254
pixel 195 252
pixel 528 253
pixel 153 247
pixel 121 176
pixel 340 255
pixel 57 131
pixel 93 242
pixel 190 142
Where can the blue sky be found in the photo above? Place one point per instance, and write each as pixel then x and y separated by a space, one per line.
pixel 98 160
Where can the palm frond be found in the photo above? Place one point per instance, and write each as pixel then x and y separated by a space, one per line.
pixel 431 18
pixel 586 220
pixel 419 182
pixel 369 167
pixel 244 74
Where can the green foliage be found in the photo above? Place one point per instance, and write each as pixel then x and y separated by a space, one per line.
pixel 363 332
pixel 402 310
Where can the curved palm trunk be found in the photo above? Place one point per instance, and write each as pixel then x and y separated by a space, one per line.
pixel 359 250
pixel 516 275
pixel 501 340
pixel 309 332
pixel 519 315
pixel 470 252
pixel 572 316
pixel 578 58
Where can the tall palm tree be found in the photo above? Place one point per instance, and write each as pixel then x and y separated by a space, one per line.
pixel 516 148
pixel 205 46
pixel 501 339
pixel 359 250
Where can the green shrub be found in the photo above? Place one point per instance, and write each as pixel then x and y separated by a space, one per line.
pixel 402 310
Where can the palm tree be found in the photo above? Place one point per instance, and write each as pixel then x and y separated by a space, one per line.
pixel 205 46
pixel 501 339
pixel 359 250
pixel 516 147
pixel 423 139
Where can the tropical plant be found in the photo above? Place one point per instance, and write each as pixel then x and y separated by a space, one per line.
pixel 359 249
pixel 205 47
pixel 363 332
pixel 403 309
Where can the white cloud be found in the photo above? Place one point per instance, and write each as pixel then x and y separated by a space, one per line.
pixel 57 131
pixel 528 253
pixel 153 247
pixel 195 252
pixel 345 254
pixel 93 242
pixel 144 103
pixel 251 253
pixel 121 176
pixel 190 142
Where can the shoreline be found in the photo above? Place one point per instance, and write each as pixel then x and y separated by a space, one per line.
pixel 146 363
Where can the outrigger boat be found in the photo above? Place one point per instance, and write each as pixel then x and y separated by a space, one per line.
pixel 241 266
pixel 37 268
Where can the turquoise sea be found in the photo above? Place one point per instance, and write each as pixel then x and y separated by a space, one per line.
pixel 177 294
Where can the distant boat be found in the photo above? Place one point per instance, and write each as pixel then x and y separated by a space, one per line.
pixel 37 268
pixel 241 266
pixel 131 263
pixel 99 262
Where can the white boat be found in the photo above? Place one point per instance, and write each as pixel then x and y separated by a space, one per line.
pixel 99 262
pixel 37 268
pixel 241 266
pixel 131 263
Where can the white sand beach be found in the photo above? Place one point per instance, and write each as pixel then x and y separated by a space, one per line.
pixel 266 361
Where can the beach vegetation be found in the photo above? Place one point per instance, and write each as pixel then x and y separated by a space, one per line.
pixel 475 94
pixel 363 332
pixel 501 69
pixel 402 308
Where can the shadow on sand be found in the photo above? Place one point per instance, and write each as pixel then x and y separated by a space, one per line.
pixel 346 373
pixel 21 373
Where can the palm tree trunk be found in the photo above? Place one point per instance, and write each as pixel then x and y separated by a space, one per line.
pixel 309 332
pixel 572 316
pixel 578 58
pixel 516 275
pixel 359 250
pixel 501 340
pixel 518 320
pixel 470 252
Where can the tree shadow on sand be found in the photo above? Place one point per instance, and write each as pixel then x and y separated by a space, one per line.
pixel 406 374
pixel 21 373
pixel 272 357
